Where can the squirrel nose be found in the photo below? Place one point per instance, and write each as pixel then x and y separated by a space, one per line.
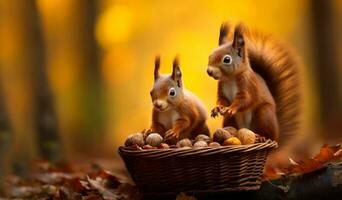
pixel 210 72
pixel 157 105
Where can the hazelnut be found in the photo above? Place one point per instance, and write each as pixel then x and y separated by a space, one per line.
pixel 147 146
pixel 154 139
pixel 202 137
pixel 220 135
pixel 137 138
pixel 200 144
pixel 231 130
pixel 232 141
pixel 214 144
pixel 163 146
pixel 129 141
pixel 246 136
pixel 135 146
pixel 184 143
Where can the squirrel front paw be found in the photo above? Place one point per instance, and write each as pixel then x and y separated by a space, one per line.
pixel 218 110
pixel 229 111
pixel 215 111
pixel 170 134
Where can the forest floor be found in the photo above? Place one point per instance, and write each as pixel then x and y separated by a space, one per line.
pixel 108 179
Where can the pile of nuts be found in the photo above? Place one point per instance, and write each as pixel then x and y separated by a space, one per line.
pixel 223 136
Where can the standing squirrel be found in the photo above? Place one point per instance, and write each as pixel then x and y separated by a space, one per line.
pixel 176 113
pixel 258 83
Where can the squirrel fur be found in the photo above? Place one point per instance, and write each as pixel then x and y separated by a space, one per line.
pixel 177 113
pixel 258 83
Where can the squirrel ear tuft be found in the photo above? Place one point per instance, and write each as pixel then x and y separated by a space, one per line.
pixel 156 67
pixel 176 72
pixel 239 41
pixel 224 31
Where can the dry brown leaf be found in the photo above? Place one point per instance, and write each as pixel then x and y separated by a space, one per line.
pixel 326 153
pixel 24 191
pixel 106 194
pixel 271 173
pixel 53 177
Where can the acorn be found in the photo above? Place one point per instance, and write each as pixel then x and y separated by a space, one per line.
pixel 246 136
pixel 202 137
pixel 184 143
pixel 214 144
pixel 231 130
pixel 200 144
pixel 147 146
pixel 154 139
pixel 163 146
pixel 137 138
pixel 220 135
pixel 232 141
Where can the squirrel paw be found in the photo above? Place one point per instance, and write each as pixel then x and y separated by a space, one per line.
pixel 230 111
pixel 215 111
pixel 171 134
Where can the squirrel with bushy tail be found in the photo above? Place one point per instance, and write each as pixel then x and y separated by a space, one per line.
pixel 258 83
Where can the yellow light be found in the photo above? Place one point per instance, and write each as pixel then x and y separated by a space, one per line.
pixel 114 25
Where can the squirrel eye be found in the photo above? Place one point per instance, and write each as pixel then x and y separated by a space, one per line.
pixel 172 92
pixel 227 59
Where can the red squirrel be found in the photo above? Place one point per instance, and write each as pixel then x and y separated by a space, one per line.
pixel 176 113
pixel 258 83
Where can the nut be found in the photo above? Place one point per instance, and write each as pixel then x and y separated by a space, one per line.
pixel 135 146
pixel 246 136
pixel 202 137
pixel 184 143
pixel 154 139
pixel 163 146
pixel 232 141
pixel 231 130
pixel 137 138
pixel 214 144
pixel 220 135
pixel 147 146
pixel 200 144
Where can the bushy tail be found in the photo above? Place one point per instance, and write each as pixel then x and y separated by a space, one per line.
pixel 278 65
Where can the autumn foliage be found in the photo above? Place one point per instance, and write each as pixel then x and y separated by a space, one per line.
pixel 326 155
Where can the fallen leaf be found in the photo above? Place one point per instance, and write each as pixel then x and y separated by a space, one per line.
pixel 110 180
pixel 128 191
pixel 65 192
pixel 49 190
pixel 54 177
pixel 271 173
pixel 24 191
pixel 326 153
pixel 106 194
pixel 292 162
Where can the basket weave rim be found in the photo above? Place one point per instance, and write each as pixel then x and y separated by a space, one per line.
pixel 268 144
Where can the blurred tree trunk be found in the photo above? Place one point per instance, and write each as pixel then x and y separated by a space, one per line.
pixel 45 119
pixel 326 67
pixel 72 53
pixel 5 136
pixel 91 97
pixel 24 66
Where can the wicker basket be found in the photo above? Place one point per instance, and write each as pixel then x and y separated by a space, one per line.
pixel 226 168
